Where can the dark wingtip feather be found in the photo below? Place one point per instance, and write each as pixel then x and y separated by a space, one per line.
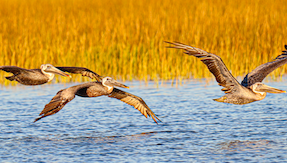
pixel 157 119
pixel 172 43
pixel 167 42
pixel 37 119
pixel 283 55
pixel 154 117
pixel 154 120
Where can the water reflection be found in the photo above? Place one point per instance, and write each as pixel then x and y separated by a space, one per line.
pixel 195 128
pixel 247 145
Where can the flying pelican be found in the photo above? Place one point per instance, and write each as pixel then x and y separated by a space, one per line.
pixel 95 89
pixel 44 74
pixel 251 89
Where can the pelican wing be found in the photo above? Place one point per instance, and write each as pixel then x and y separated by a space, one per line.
pixel 57 103
pixel 14 69
pixel 134 101
pixel 214 64
pixel 260 72
pixel 81 70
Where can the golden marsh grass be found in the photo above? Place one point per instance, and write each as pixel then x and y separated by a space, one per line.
pixel 125 38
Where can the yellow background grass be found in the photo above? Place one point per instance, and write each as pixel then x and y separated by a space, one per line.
pixel 124 38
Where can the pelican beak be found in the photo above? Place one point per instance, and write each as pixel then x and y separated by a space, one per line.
pixel 57 71
pixel 266 88
pixel 118 84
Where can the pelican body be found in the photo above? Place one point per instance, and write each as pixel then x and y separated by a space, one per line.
pixel 251 88
pixel 95 89
pixel 32 76
pixel 45 74
pixel 244 95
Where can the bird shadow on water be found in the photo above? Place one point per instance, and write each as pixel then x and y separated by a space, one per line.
pixel 67 138
pixel 245 145
pixel 194 127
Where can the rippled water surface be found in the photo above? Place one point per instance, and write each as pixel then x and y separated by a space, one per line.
pixel 194 129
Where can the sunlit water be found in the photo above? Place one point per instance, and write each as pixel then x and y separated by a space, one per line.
pixel 194 129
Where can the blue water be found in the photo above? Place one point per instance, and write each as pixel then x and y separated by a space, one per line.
pixel 194 129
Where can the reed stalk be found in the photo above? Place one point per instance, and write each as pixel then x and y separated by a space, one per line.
pixel 124 39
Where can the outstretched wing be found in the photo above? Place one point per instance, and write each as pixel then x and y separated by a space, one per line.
pixel 134 101
pixel 83 71
pixel 260 72
pixel 14 69
pixel 213 63
pixel 56 104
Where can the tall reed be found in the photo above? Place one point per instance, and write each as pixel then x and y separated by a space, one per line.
pixel 125 38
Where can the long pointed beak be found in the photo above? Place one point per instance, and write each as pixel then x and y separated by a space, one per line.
pixel 57 71
pixel 266 88
pixel 118 84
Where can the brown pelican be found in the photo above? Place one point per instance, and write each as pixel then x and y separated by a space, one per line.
pixel 251 89
pixel 95 89
pixel 44 74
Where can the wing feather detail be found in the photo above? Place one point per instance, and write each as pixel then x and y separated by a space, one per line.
pixel 214 63
pixel 134 101
pixel 14 69
pixel 55 105
pixel 81 70
pixel 260 72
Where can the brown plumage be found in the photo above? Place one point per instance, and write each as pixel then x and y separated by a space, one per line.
pixel 45 73
pixel 251 89
pixel 260 72
pixel 81 70
pixel 95 89
pixel 32 76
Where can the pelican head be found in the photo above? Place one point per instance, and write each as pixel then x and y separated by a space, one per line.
pixel 263 89
pixel 110 83
pixel 49 70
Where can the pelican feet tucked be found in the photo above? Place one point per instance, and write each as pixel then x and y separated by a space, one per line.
pixel 95 89
pixel 251 89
